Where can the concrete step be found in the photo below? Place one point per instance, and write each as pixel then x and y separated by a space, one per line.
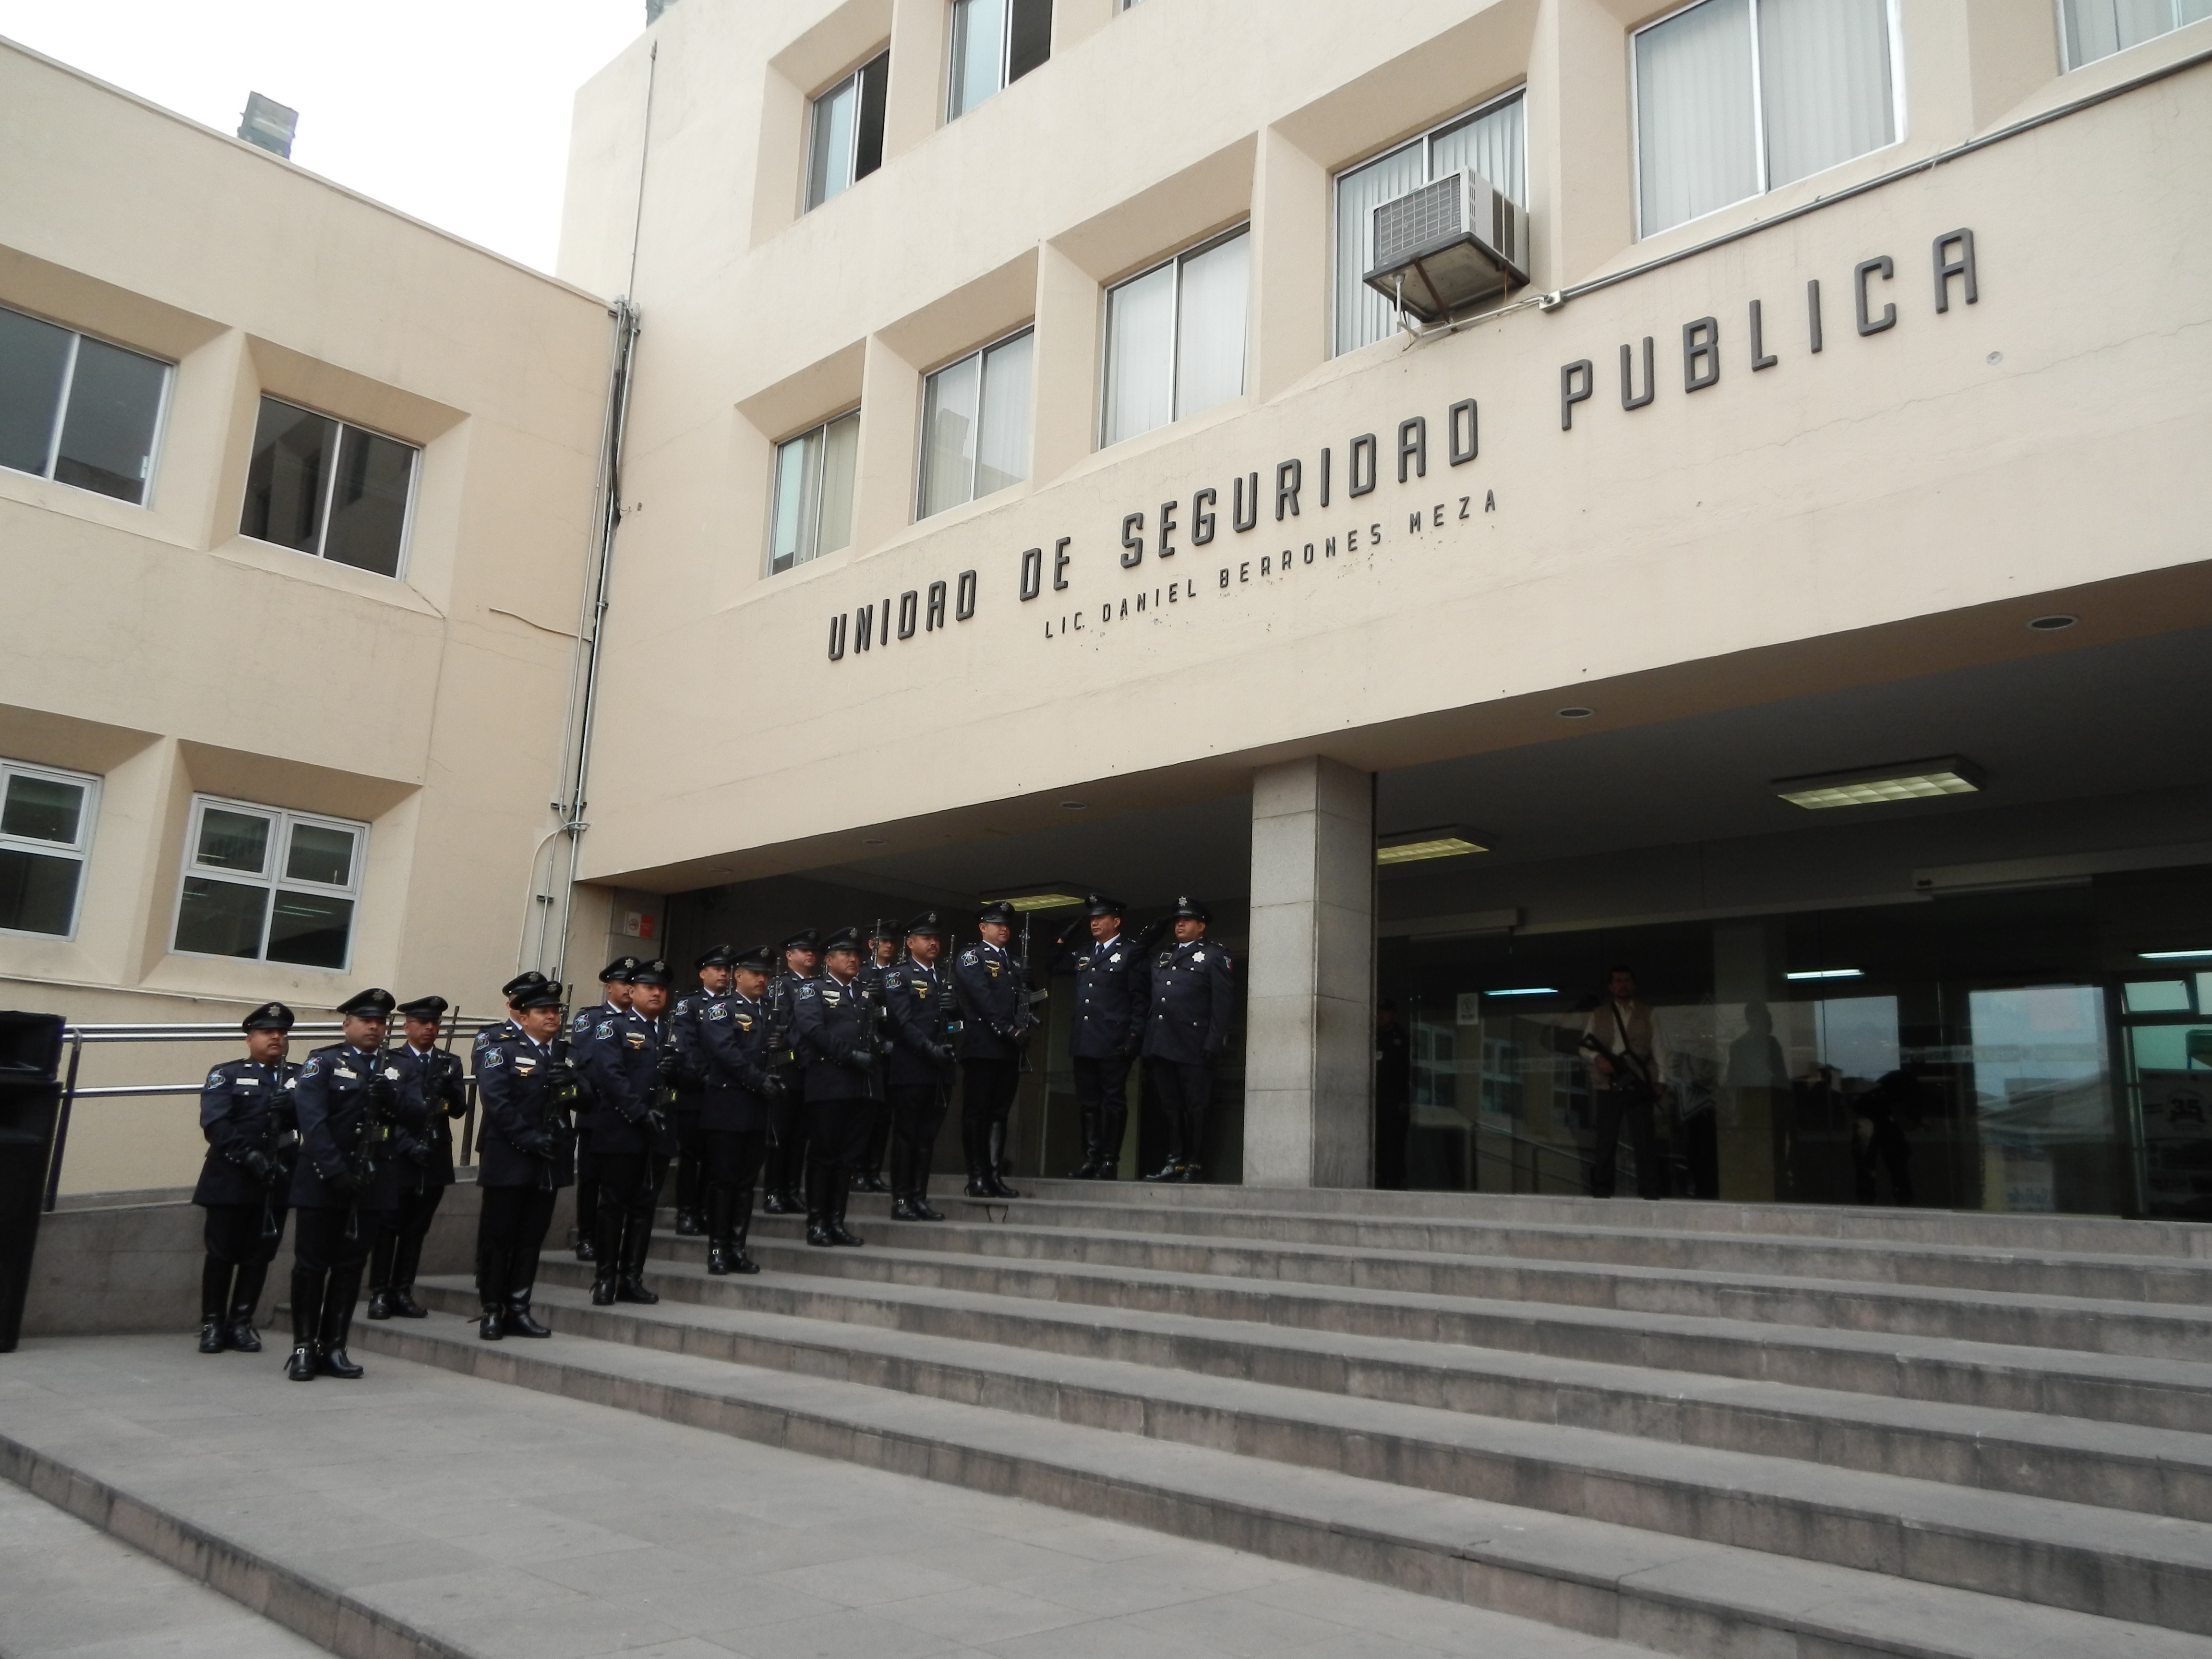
pixel 2039 1271
pixel 976 1254
pixel 883 1283
pixel 1683 1595
pixel 2150 1470
pixel 2114 1563
pixel 2183 1240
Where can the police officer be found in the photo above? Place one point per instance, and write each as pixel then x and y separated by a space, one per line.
pixel 1186 1027
pixel 631 1068
pixel 994 1032
pixel 441 1095
pixel 358 1130
pixel 875 971
pixel 246 1113
pixel 733 1117
pixel 785 1168
pixel 530 1093
pixel 613 998
pixel 713 970
pixel 835 1031
pixel 918 1071
pixel 1109 1023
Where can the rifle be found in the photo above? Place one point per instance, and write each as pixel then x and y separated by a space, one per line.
pixel 361 1160
pixel 278 1139
pixel 1631 1071
pixel 564 1089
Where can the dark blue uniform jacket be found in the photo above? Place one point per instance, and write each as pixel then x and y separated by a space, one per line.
pixel 993 1002
pixel 339 1124
pixel 1187 1016
pixel 734 1040
pixel 831 1022
pixel 526 1140
pixel 244 1107
pixel 1110 982
pixel 623 1069
pixel 912 996
pixel 437 1080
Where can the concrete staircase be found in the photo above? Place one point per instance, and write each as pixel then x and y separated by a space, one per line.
pixel 1704 1429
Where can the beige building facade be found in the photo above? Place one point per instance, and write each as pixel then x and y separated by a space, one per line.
pixel 1792 585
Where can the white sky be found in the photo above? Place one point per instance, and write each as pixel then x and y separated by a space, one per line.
pixel 455 110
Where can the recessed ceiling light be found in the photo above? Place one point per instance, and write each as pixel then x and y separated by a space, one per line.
pixel 1413 846
pixel 2172 955
pixel 2052 624
pixel 1074 806
pixel 1042 895
pixel 1826 973
pixel 874 840
pixel 1869 786
pixel 1576 713
pixel 1525 991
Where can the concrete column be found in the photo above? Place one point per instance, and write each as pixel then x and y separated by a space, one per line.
pixel 1309 978
pixel 883 471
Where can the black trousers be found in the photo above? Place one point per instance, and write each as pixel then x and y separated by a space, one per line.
pixel 233 1234
pixel 397 1251
pixel 916 1113
pixel 784 1168
pixel 630 1191
pixel 1102 1095
pixel 326 1271
pixel 690 1157
pixel 733 1164
pixel 1629 1109
pixel 587 1185
pixel 511 1229
pixel 319 1239
pixel 1881 1145
pixel 1393 1122
pixel 986 1097
pixel 836 1140
pixel 1181 1093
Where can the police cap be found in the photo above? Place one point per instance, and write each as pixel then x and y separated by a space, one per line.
pixel 655 972
pixel 845 938
pixel 716 955
pixel 997 910
pixel 928 924
pixel 618 971
pixel 804 940
pixel 880 929
pixel 519 985
pixel 543 994
pixel 1097 904
pixel 1192 908
pixel 761 960
pixel 372 1004
pixel 424 1008
pixel 268 1016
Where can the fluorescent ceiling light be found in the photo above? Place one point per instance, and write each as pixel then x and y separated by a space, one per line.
pixel 1414 846
pixel 1045 895
pixel 1826 973
pixel 1526 991
pixel 1922 780
pixel 2172 955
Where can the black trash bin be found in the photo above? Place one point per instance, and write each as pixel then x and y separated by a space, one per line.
pixel 30 1100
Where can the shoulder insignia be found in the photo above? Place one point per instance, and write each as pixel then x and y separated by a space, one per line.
pixel 216 1080
pixel 606 1029
pixel 718 1011
pixel 491 1056
pixel 969 957
pixel 313 1068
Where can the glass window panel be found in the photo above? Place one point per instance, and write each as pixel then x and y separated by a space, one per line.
pixel 369 505
pixel 791 531
pixel 1028 36
pixel 43 809
pixel 221 918
pixel 1139 347
pixel 1002 447
pixel 830 167
pixel 841 447
pixel 1695 145
pixel 107 436
pixel 2158 996
pixel 38 894
pixel 2040 1080
pixel 33 360
pixel 320 852
pixel 310 929
pixel 979 52
pixel 1825 82
pixel 1492 145
pixel 1210 330
pixel 233 840
pixel 948 435
pixel 868 142
pixel 292 454
pixel 1363 316
pixel 2098 28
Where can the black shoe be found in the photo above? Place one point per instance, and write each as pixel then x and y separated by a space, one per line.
pixel 1088 1172
pixel 630 1287
pixel 902 1210
pixel 603 1288
pixel 773 1204
pixel 585 1251
pixel 687 1224
pixel 241 1335
pixel 718 1260
pixel 404 1306
pixel 873 1181
pixel 817 1233
pixel 518 1320
pixel 999 1189
pixel 1165 1172
pixel 979 1188
pixel 492 1325
pixel 741 1263
pixel 336 1362
pixel 212 1336
pixel 379 1305
pixel 838 1234
pixel 793 1203
pixel 923 1209
pixel 300 1367
pixel 1185 1172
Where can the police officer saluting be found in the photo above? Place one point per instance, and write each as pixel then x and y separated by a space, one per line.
pixel 631 1067
pixel 785 1168
pixel 613 998
pixel 529 1092
pixel 918 1071
pixel 1186 1027
pixel 358 1130
pixel 1109 1023
pixel 246 1113
pixel 714 969
pixel 733 1116
pixel 835 1028
pixel 442 1094
pixel 994 1030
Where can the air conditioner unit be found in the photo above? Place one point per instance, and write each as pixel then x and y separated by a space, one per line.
pixel 1442 247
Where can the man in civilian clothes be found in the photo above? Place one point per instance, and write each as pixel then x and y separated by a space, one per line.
pixel 442 1090
pixel 246 1113
pixel 631 1068
pixel 1186 1028
pixel 1109 1023
pixel 529 1093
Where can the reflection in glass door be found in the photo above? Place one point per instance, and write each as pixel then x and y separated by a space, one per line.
pixel 2042 1096
pixel 2168 1025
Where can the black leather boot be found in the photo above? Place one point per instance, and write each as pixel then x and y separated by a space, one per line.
pixel 1111 1126
pixel 818 1207
pixel 331 1358
pixel 741 1226
pixel 975 1147
pixel 839 1192
pixel 491 1275
pixel 214 1303
pixel 718 1231
pixel 381 1253
pixel 629 1283
pixel 307 1319
pixel 689 1224
pixel 407 1257
pixel 1088 1170
pixel 244 1299
pixel 606 1240
pixel 994 1165
pixel 521 1280
pixel 772 1182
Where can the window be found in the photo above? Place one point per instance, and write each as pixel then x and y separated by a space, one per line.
pixel 46 830
pixel 1488 141
pixel 813 512
pixel 1734 97
pixel 846 143
pixel 975 425
pixel 994 44
pixel 269 885
pixel 328 488
pixel 1175 339
pixel 76 409
pixel 2098 28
